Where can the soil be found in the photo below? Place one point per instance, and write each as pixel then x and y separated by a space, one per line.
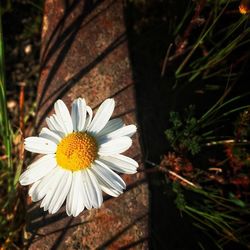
pixel 150 29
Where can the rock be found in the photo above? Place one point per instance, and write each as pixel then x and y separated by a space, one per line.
pixel 84 54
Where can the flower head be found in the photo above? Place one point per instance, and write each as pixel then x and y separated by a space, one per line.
pixel 244 7
pixel 80 157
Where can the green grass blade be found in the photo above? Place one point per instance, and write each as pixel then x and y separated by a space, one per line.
pixel 5 132
pixel 199 41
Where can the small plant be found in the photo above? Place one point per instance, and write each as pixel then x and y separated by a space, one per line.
pixel 9 202
pixel 21 47
pixel 206 51
pixel 212 213
pixel 208 164
pixel 211 189
pixel 183 135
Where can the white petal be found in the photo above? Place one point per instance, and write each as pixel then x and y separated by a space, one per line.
pixel 44 185
pixel 111 126
pixel 124 131
pixel 39 145
pixel 38 169
pixel 50 135
pixel 116 146
pixel 108 189
pixel 78 114
pixel 50 124
pixel 74 115
pixel 63 115
pixel 94 190
pixel 60 124
pixel 61 192
pixel 52 189
pixel 75 198
pixel 89 117
pixel 33 188
pixel 108 176
pixel 53 126
pixel 106 186
pixel 102 116
pixel 85 180
pixel 120 163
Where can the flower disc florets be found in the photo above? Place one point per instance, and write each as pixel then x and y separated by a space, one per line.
pixel 76 151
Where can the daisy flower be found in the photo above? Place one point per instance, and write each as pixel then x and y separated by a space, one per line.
pixel 80 155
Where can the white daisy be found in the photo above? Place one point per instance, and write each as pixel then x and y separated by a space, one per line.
pixel 80 154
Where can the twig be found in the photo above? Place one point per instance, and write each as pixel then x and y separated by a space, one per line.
pixel 215 169
pixel 21 128
pixel 166 60
pixel 180 178
pixel 21 106
pixel 184 41
pixel 231 141
pixel 167 171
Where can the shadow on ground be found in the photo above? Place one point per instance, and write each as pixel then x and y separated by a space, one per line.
pixel 150 33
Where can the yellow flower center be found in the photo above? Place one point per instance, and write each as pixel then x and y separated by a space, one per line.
pixel 76 151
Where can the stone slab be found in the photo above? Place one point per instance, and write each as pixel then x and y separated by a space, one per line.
pixel 84 54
